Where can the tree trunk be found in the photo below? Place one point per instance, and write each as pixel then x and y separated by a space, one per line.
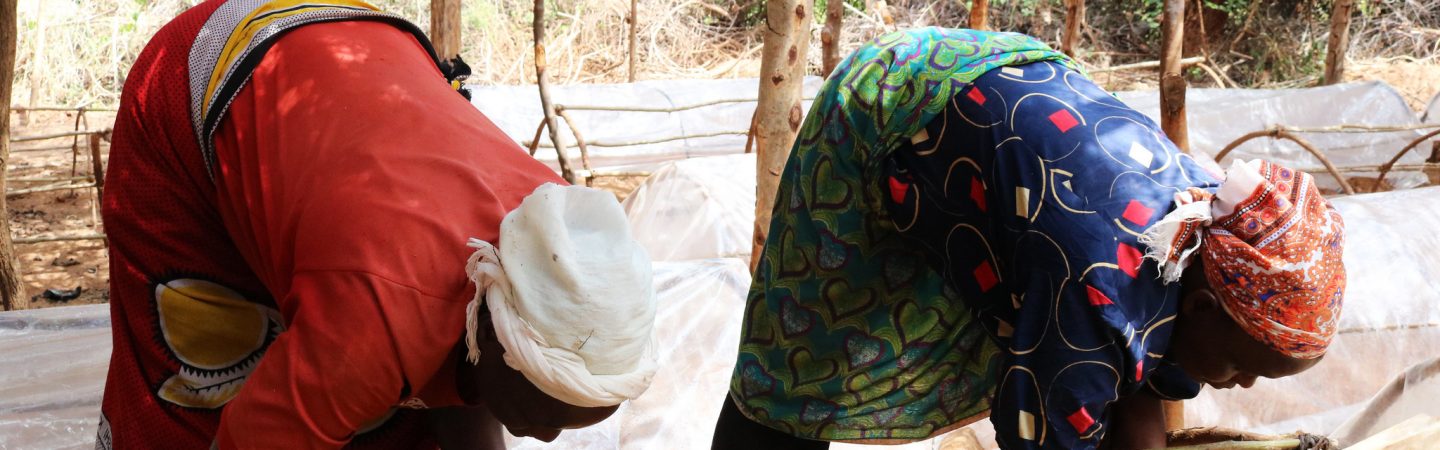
pixel 445 28
pixel 1339 42
pixel 979 14
pixel 634 30
pixel 9 278
pixel 830 35
pixel 779 112
pixel 1172 78
pixel 1074 22
pixel 544 86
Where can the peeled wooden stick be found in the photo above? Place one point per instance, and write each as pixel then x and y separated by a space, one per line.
pixel 1282 444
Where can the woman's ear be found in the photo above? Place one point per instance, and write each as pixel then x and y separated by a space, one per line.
pixel 1199 302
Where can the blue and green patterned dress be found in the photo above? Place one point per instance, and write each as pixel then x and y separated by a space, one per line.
pixel 925 262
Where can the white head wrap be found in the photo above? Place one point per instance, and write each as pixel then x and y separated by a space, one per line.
pixel 570 296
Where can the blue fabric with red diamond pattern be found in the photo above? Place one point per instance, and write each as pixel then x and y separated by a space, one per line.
pixel 1028 194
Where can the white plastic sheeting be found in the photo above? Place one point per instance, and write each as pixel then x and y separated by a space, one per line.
pixel 1432 114
pixel 52 365
pixel 516 110
pixel 1390 321
pixel 697 323
pixel 696 208
pixel 52 371
pixel 1216 117
pixel 1409 394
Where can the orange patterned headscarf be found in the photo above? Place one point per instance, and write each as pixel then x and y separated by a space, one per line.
pixel 1272 248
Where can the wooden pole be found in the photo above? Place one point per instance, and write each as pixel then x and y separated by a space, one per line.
pixel 979 14
pixel 1174 414
pixel 1339 42
pixel 445 28
pixel 778 112
pixel 1172 120
pixel 544 86
pixel 1074 22
pixel 97 167
pixel 10 297
pixel 830 35
pixel 634 31
pixel 579 140
pixel 37 60
pixel 1172 78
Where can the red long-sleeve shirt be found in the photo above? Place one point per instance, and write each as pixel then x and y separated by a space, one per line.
pixel 348 177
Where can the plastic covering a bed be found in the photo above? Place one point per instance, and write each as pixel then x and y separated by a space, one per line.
pixel 1216 117
pixel 695 216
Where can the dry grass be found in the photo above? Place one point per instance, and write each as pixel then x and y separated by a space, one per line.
pixel 87 46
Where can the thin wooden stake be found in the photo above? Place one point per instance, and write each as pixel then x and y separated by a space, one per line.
pixel 634 31
pixel 97 167
pixel 544 86
pixel 830 35
pixel 1339 42
pixel 579 140
pixel 1074 22
pixel 1172 78
pixel 979 14
pixel 445 28
pixel 535 141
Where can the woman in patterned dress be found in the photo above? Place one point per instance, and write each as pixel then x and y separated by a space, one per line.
pixel 969 227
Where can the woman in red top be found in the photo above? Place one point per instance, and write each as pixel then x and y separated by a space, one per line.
pixel 305 287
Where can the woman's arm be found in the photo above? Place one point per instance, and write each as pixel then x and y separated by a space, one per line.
pixel 1137 422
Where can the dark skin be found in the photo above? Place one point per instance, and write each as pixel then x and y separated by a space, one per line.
pixel 1210 347
pixel 506 400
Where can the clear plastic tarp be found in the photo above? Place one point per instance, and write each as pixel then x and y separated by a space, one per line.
pixel 1217 117
pixel 696 218
pixel 1391 320
pixel 52 371
pixel 516 110
pixel 696 208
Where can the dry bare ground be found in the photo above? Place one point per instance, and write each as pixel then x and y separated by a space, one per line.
pixel 87 47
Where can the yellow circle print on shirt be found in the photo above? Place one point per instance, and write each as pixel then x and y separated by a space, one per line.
pixel 217 335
